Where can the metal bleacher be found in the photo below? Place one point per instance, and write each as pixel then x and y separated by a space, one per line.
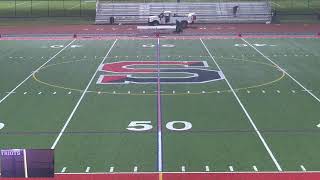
pixel 218 12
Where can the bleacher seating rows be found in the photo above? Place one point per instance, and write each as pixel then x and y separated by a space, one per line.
pixel 248 12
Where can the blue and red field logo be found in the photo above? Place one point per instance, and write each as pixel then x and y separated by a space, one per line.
pixel 183 72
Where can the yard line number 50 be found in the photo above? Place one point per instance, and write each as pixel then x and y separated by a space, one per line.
pixel 146 126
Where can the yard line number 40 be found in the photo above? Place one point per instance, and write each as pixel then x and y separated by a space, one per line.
pixel 146 126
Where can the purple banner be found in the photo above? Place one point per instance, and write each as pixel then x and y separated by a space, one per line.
pixel 34 163
pixel 12 163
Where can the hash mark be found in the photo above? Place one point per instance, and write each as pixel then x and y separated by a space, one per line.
pixel 231 168
pixel 64 169
pixel 207 168
pixel 135 169
pixel 183 168
pixel 87 169
pixel 255 168
pixel 111 169
pixel 303 168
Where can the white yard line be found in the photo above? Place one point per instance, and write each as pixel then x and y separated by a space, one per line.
pixel 276 4
pixel 18 4
pixel 246 112
pixel 283 70
pixel 80 99
pixel 14 89
pixel 159 112
pixel 74 6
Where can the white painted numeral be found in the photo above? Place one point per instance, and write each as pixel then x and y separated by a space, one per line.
pixel 146 125
pixel 187 125
pixel 139 126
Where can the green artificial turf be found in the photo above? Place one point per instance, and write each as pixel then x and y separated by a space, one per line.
pixel 225 130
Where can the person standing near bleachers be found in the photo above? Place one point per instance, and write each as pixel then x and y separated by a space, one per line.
pixel 235 9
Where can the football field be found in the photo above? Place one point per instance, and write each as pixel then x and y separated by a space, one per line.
pixel 164 105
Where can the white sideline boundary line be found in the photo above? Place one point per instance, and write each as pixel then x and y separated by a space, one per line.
pixel 33 72
pixel 246 112
pixel 80 99
pixel 281 69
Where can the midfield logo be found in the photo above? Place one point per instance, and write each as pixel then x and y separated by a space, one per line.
pixel 181 72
